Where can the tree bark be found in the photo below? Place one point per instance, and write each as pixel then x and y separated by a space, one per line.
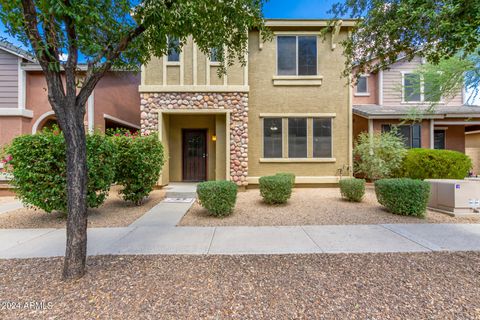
pixel 71 118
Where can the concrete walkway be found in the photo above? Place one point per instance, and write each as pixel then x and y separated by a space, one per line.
pixel 10 206
pixel 156 233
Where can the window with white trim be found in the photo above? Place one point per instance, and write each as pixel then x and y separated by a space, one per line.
pixel 296 55
pixel 362 85
pixel 418 89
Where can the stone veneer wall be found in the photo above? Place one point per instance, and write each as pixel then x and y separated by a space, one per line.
pixel 236 102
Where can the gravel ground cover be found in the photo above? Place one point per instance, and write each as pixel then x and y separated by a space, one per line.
pixel 310 206
pixel 113 213
pixel 362 286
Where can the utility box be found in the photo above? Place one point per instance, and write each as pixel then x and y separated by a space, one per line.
pixel 455 197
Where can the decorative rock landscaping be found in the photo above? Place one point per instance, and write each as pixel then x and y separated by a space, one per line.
pixel 236 103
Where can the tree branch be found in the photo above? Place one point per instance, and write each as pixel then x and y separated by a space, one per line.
pixel 112 54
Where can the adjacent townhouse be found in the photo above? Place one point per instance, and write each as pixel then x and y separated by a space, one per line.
pixel 287 110
pixel 389 97
pixel 24 106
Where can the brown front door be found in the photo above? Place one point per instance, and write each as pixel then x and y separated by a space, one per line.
pixel 194 147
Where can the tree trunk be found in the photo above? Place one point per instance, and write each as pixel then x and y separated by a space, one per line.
pixel 71 122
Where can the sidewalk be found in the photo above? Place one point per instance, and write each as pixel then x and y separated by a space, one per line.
pixel 156 233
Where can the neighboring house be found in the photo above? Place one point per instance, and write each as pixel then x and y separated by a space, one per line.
pixel 287 110
pixel 386 98
pixel 24 106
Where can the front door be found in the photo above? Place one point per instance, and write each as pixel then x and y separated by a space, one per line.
pixel 194 147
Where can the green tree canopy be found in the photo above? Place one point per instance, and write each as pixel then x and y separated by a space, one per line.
pixel 434 29
pixel 114 34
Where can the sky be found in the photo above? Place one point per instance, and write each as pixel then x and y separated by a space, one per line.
pixel 300 9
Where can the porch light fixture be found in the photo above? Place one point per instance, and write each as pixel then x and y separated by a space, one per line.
pixel 214 137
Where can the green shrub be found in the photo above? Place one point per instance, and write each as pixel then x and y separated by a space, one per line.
pixel 218 197
pixel 38 164
pixel 139 161
pixel 290 176
pixel 403 196
pixel 352 189
pixel 379 155
pixel 435 164
pixel 276 189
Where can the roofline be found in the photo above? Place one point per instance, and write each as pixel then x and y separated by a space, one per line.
pixel 17 51
pixel 81 67
pixel 424 116
pixel 308 22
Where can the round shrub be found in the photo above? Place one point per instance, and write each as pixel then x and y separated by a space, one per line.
pixel 38 164
pixel 435 164
pixel 139 161
pixel 276 189
pixel 290 176
pixel 352 189
pixel 403 196
pixel 218 197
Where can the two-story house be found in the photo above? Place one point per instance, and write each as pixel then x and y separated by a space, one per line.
pixel 287 110
pixel 390 97
pixel 24 105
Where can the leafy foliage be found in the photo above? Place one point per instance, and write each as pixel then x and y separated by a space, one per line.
pixel 38 165
pixel 139 161
pixel 403 196
pixel 430 28
pixel 435 164
pixel 379 155
pixel 352 189
pixel 218 197
pixel 276 189
pixel 290 176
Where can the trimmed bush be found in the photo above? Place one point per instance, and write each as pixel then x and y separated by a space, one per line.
pixel 290 176
pixel 38 164
pixel 403 196
pixel 435 164
pixel 218 197
pixel 139 162
pixel 352 189
pixel 276 189
pixel 378 156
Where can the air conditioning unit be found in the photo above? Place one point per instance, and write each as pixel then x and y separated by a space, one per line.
pixel 455 197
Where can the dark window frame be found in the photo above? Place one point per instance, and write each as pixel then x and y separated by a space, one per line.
pixel 314 154
pixel 411 141
pixel 295 148
pixel 297 56
pixel 275 153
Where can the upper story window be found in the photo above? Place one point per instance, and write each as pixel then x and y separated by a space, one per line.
pixel 173 53
pixel 417 89
pixel 296 55
pixel 362 86
pixel 214 55
pixel 412 87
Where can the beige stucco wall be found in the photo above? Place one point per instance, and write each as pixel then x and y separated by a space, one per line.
pixel 153 71
pixel 330 97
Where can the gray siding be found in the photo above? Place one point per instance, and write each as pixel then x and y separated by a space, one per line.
pixel 8 80
pixel 392 83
